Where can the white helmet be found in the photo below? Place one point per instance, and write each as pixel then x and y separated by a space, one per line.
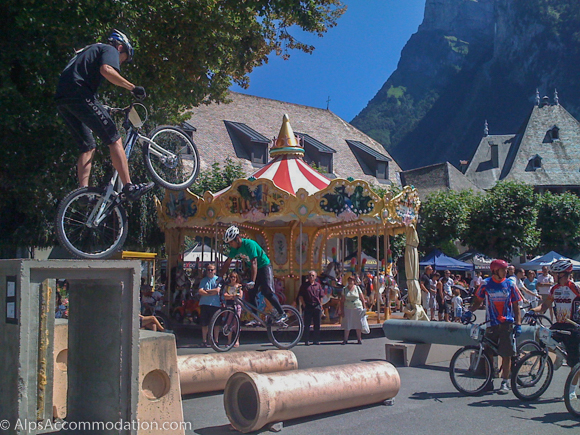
pixel 561 266
pixel 231 234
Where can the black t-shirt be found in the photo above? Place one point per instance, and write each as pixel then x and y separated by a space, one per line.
pixel 426 281
pixel 82 76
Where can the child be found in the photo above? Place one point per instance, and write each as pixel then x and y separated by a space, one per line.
pixel 457 304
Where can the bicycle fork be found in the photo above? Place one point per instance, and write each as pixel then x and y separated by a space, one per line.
pixel 103 208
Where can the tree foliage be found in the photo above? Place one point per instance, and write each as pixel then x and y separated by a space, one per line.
pixel 558 219
pixel 444 220
pixel 188 52
pixel 218 178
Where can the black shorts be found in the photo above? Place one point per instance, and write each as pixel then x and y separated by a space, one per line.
pixel 206 313
pixel 571 342
pixel 503 335
pixel 85 116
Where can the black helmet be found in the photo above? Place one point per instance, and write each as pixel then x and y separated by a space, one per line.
pixel 119 37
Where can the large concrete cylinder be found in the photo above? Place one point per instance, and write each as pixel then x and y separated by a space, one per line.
pixel 203 373
pixel 438 332
pixel 253 400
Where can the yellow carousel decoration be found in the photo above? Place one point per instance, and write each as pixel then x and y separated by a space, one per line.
pixel 292 211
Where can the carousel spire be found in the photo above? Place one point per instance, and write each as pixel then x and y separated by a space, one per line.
pixel 286 142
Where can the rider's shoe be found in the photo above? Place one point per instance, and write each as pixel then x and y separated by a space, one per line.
pixel 135 191
pixel 573 395
pixel 504 387
pixel 253 323
pixel 279 318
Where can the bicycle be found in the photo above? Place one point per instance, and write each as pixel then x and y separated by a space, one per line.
pixel 533 374
pixel 91 222
pixel 224 327
pixel 532 318
pixel 572 400
pixel 471 369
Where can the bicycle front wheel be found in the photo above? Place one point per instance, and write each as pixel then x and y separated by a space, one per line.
pixel 572 391
pixel 537 319
pixel 171 158
pixel 83 240
pixel 224 330
pixel 526 347
pixel 469 371
pixel 532 375
pixel 287 333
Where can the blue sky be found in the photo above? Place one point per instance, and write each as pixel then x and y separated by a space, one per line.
pixel 350 63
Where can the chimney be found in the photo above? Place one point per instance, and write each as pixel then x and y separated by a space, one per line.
pixel 463 164
pixel 494 154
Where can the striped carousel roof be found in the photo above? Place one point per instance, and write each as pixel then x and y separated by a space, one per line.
pixel 290 173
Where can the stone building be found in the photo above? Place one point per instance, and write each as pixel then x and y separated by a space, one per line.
pixel 545 152
pixel 243 128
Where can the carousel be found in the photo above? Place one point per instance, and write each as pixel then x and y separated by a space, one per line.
pixel 300 217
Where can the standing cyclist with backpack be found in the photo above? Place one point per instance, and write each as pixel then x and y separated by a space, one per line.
pixel 261 273
pixel 84 115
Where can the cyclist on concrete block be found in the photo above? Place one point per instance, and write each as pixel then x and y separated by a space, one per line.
pixel 83 113
pixel 262 275
pixel 565 296
pixel 502 314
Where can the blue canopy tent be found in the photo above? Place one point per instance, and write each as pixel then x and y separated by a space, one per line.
pixel 546 260
pixel 439 261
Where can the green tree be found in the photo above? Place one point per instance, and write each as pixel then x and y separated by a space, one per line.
pixel 217 178
pixel 558 218
pixel 188 52
pixel 502 222
pixel 443 220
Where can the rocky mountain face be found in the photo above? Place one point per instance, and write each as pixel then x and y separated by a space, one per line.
pixel 471 61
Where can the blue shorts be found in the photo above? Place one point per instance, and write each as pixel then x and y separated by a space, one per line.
pixel 85 116
pixel 458 311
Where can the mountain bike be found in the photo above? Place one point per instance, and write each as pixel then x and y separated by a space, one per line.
pixel 532 374
pixel 224 327
pixel 471 369
pixel 572 391
pixel 91 222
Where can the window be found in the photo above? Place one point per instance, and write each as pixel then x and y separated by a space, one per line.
pixel 248 143
pixel 555 133
pixel 318 153
pixel 371 161
pixel 534 163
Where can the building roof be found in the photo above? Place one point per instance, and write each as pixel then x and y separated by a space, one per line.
pixel 433 178
pixel 264 115
pixel 544 153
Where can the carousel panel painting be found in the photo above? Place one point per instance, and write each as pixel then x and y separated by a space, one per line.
pixel 280 249
pixel 180 206
pixel 348 200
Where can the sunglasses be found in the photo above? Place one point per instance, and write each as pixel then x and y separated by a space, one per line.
pixel 211 270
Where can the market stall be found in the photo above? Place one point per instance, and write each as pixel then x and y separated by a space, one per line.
pixel 295 213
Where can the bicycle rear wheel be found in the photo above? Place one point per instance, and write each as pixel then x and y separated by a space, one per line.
pixel 287 333
pixel 470 373
pixel 224 330
pixel 172 158
pixel 572 391
pixel 81 240
pixel 532 375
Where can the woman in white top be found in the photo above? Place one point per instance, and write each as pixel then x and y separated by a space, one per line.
pixel 353 308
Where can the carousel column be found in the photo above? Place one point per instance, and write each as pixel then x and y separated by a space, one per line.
pixel 387 290
pixel 377 286
pixel 359 252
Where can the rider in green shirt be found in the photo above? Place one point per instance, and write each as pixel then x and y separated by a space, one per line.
pixel 261 273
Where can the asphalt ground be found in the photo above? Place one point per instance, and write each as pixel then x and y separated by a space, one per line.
pixel 427 402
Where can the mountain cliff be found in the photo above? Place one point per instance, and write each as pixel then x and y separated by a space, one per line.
pixel 471 61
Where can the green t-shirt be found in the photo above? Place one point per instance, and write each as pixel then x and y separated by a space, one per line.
pixel 248 251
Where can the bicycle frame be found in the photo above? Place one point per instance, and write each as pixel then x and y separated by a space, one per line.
pixel 105 204
pixel 249 308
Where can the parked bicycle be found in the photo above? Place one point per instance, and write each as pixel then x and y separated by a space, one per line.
pixel 91 222
pixel 572 392
pixel 471 369
pixel 532 318
pixel 533 374
pixel 225 326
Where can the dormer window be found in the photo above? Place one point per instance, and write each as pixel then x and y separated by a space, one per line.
pixel 371 161
pixel 248 143
pixel 534 164
pixel 317 153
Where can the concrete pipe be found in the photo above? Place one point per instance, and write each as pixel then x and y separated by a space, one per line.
pixel 203 373
pixel 253 400
pixel 438 332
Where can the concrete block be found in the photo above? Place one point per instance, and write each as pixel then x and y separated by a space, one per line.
pixel 159 386
pixel 418 354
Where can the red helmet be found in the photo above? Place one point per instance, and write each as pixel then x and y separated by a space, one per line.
pixel 498 264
